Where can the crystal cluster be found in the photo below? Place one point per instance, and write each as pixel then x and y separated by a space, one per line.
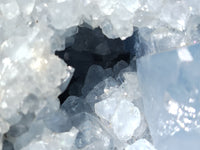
pixel 118 107
pixel 109 113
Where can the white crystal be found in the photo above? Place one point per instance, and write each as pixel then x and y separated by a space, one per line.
pixel 26 6
pixel 123 116
pixel 9 9
pixel 103 87
pixel 141 144
pixel 106 108
pixel 54 141
pixel 125 120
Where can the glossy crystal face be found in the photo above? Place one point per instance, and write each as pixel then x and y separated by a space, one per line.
pixel 172 107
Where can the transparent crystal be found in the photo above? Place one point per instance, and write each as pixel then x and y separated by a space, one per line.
pixel 170 83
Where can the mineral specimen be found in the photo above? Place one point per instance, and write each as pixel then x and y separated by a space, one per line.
pixel 106 112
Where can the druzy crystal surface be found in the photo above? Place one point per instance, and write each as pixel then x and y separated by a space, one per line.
pixel 106 112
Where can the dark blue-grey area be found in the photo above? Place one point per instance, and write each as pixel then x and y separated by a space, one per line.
pixel 92 47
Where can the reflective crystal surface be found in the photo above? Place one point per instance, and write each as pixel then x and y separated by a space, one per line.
pixel 171 90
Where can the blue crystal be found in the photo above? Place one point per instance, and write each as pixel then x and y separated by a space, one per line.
pixel 170 82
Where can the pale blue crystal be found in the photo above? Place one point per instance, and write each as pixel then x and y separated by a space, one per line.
pixel 171 87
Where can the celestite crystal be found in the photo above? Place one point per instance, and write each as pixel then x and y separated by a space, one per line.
pixel 118 110
pixel 172 107
pixel 32 77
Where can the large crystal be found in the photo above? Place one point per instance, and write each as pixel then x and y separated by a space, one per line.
pixel 171 88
